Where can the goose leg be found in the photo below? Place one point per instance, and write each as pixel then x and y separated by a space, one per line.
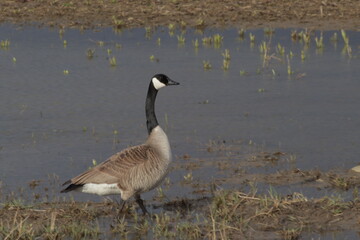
pixel 119 217
pixel 122 205
pixel 141 204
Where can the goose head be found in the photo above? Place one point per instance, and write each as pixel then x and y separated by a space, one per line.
pixel 161 80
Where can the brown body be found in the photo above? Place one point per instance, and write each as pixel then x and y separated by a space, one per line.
pixel 132 171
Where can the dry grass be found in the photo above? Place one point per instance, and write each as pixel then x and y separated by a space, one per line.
pixel 227 214
pixel 179 14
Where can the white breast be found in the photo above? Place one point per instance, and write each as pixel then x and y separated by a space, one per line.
pixel 159 141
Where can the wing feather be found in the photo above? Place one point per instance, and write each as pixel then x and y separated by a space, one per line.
pixel 117 167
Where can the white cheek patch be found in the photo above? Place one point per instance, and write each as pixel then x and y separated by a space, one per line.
pixel 157 84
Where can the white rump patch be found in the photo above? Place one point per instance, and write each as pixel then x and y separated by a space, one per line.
pixel 157 84
pixel 101 189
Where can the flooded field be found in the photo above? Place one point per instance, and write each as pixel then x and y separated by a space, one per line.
pixel 261 111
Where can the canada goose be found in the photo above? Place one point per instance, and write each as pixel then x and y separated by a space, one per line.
pixel 134 170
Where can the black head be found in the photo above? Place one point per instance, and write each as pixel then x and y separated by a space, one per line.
pixel 161 80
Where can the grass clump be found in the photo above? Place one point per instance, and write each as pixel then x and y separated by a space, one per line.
pixel 226 65
pixel 294 35
pixel 347 49
pixel 152 58
pixel 187 230
pixel 90 53
pixel 148 32
pixel 291 234
pixel 207 65
pixel 207 41
pixel 181 39
pixel 252 38
pixel 5 44
pixel 289 69
pixel 81 230
pixel 334 37
pixel 100 43
pixel 188 178
pixel 196 43
pixel 226 60
pixel 303 55
pixel 162 226
pixel 305 37
pixel 281 49
pixel 241 34
pixel 226 55
pixel 269 31
pixel 112 61
pixel 319 42
pixel 243 72
pixel 171 28
pixel 19 229
pixel 217 38
pixel 118 23
pixel 345 37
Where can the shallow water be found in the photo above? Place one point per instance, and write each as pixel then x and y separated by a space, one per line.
pixel 57 123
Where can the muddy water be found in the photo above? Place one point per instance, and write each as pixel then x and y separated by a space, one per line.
pixel 60 109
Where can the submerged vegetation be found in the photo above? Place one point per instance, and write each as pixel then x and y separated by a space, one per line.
pixel 277 56
pixel 90 53
pixel 207 65
pixel 5 44
pixel 181 39
pixel 112 61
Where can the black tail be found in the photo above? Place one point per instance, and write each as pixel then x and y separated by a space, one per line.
pixel 71 187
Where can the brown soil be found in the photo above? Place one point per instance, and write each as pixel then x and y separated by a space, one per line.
pixel 323 14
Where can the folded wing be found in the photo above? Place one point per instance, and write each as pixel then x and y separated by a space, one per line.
pixel 116 169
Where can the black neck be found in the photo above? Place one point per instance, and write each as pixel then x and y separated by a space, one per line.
pixel 151 121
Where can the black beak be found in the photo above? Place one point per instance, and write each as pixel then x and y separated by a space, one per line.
pixel 171 82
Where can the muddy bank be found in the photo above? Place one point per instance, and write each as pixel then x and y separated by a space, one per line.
pixel 332 14
pixel 227 214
